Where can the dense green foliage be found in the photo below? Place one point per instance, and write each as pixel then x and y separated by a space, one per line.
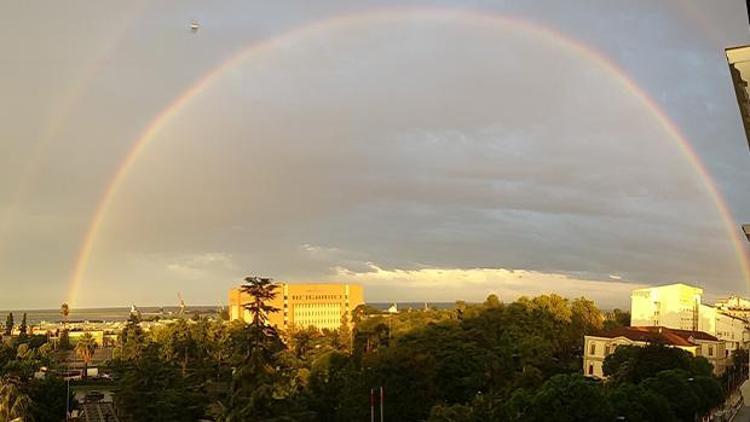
pixel 518 361
pixel 21 395
pixel 9 324
pixel 493 361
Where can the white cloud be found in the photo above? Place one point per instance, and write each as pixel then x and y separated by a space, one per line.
pixel 474 284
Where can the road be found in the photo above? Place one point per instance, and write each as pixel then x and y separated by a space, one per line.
pixel 744 413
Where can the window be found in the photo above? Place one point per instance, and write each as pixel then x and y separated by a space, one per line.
pixel 591 369
pixel 606 350
pixel 710 350
pixel 592 349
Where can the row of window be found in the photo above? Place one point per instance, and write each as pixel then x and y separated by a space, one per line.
pixel 317 322
pixel 317 297
pixel 314 313
pixel 608 349
pixel 317 305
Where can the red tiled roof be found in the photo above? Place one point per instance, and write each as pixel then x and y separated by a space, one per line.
pixel 671 336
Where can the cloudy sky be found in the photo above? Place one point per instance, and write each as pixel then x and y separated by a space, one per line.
pixel 439 151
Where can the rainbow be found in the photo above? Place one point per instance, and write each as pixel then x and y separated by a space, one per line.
pixel 340 22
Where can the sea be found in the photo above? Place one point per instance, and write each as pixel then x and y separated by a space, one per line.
pixel 35 316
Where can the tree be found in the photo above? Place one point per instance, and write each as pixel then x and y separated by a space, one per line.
pixel 634 364
pixel 14 404
pixel 570 398
pixel 676 387
pixel 85 348
pixel 9 324
pixel 48 399
pixel 64 339
pixel 262 291
pixel 492 301
pixel 638 404
pixel 64 311
pixel 361 312
pixel 616 318
pixel 23 328
pixel 151 389
pixel 585 316
pixel 737 371
pixel 180 344
pixel 132 340
pixel 451 413
pixel 263 383
pixel 344 334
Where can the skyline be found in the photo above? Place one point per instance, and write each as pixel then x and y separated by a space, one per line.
pixel 407 151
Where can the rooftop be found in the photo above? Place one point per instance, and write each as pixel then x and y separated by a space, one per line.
pixel 670 285
pixel 666 335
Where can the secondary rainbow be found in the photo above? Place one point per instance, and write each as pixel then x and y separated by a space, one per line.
pixel 61 116
pixel 381 16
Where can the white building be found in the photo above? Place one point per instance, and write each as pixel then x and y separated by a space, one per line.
pixel 673 306
pixel 731 329
pixel 679 306
pixel 734 305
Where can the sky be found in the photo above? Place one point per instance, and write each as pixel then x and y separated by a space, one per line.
pixel 432 151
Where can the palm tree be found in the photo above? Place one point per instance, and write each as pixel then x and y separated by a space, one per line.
pixel 65 311
pixel 14 404
pixel 85 350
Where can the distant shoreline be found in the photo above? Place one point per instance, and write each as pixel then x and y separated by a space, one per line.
pixel 121 313
pixel 379 305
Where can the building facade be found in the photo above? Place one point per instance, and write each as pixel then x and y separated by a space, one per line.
pixel 598 347
pixel 323 306
pixel 678 306
pixel 729 328
pixel 735 306
pixel 674 306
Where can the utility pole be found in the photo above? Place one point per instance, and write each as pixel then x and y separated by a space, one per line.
pixel 372 405
pixel 382 400
pixel 67 401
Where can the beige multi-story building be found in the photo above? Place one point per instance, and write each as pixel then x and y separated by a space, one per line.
pixel 679 306
pixel 322 306
pixel 698 343
pixel 729 328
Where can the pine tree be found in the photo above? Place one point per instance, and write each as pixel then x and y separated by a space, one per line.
pixel 23 328
pixel 262 290
pixel 65 339
pixel 9 324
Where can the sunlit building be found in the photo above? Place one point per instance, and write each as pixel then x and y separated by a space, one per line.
pixel 729 328
pixel 697 343
pixel 323 306
pixel 678 306
pixel 735 306
pixel 673 306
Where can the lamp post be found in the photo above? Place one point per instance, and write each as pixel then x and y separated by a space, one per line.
pixel 67 401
